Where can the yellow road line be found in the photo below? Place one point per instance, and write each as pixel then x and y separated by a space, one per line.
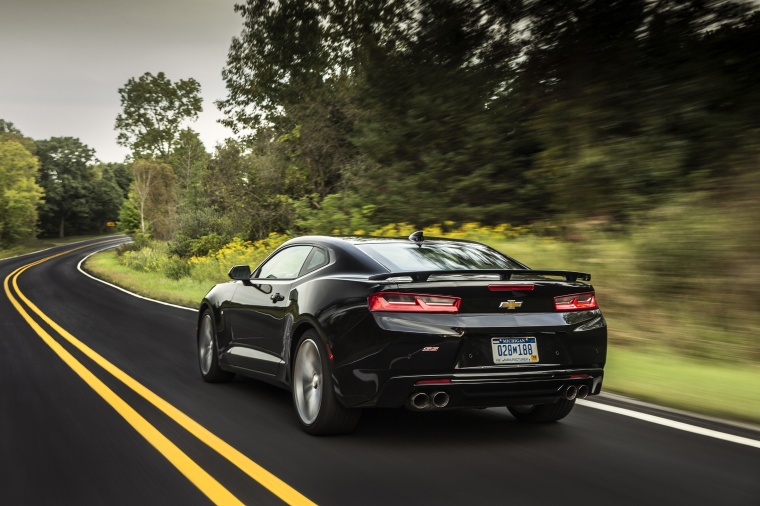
pixel 199 477
pixel 245 464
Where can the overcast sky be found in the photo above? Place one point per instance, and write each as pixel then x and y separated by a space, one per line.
pixel 63 61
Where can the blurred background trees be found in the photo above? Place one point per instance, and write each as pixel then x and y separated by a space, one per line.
pixel 495 111
pixel 350 115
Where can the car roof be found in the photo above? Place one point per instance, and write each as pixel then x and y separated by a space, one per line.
pixel 358 239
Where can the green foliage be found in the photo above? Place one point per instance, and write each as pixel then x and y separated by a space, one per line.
pixel 154 109
pixel 214 267
pixel 246 186
pixel 338 213
pixel 8 132
pixel 119 173
pixel 176 268
pixel 704 259
pixel 189 160
pixel 78 198
pixel 129 217
pixel 19 194
pixel 153 195
pixel 146 259
pixel 494 111
pixel 200 232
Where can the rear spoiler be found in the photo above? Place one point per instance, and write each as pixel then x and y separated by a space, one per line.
pixel 504 274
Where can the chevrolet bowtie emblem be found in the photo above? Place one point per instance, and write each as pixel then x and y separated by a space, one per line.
pixel 511 304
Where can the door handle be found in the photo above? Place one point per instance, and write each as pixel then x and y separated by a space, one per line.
pixel 277 297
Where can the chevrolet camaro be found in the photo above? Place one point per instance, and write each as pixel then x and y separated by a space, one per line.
pixel 346 323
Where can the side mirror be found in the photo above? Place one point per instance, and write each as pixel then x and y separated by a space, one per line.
pixel 240 273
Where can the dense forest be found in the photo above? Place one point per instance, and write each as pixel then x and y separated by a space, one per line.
pixel 351 115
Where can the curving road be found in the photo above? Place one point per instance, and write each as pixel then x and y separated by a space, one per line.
pixel 101 403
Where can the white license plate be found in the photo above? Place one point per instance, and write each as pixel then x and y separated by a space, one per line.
pixel 514 350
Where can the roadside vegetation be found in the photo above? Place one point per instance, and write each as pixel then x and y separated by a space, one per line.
pixel 674 338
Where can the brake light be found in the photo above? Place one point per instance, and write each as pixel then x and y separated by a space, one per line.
pixel 413 303
pixel 511 288
pixel 576 302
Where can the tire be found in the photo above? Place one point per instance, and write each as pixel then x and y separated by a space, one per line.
pixel 208 352
pixel 314 399
pixel 542 413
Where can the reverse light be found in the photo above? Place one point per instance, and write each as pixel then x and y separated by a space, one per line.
pixel 576 302
pixel 413 303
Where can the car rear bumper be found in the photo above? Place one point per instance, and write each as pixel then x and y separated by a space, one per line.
pixel 488 389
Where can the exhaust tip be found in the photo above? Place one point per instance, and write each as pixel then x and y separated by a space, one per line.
pixel 440 399
pixel 419 401
pixel 583 391
pixel 571 392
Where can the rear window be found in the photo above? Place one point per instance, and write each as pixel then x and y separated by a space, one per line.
pixel 433 256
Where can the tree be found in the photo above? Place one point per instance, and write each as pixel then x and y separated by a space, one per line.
pixel 250 188
pixel 8 132
pixel 409 98
pixel 153 196
pixel 119 173
pixel 7 127
pixel 105 201
pixel 636 100
pixel 494 111
pixel 65 176
pixel 189 160
pixel 19 194
pixel 154 109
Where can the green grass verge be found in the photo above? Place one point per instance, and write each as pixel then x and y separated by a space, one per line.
pixel 655 374
pixel 184 292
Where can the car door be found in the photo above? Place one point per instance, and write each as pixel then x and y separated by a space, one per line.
pixel 259 311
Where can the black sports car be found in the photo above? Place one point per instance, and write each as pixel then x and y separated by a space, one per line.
pixel 347 323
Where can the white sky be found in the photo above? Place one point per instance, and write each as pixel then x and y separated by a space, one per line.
pixel 63 61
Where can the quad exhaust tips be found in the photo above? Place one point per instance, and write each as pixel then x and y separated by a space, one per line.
pixel 421 401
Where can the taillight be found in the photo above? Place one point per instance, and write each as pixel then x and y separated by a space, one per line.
pixel 413 303
pixel 576 302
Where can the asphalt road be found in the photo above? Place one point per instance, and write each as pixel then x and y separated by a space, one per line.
pixel 72 432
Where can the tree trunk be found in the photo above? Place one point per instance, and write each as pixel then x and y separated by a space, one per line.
pixel 61 228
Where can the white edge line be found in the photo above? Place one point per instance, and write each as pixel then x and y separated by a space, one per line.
pixel 595 405
pixel 680 412
pixel 672 424
pixel 79 268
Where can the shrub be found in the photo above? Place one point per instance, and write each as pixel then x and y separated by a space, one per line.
pixel 177 268
pixel 214 267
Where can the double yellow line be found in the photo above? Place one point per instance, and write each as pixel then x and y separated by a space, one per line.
pixel 215 491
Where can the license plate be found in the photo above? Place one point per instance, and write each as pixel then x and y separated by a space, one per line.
pixel 514 350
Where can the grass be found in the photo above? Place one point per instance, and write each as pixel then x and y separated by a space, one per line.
pixel 657 375
pixel 184 292
pixel 635 367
